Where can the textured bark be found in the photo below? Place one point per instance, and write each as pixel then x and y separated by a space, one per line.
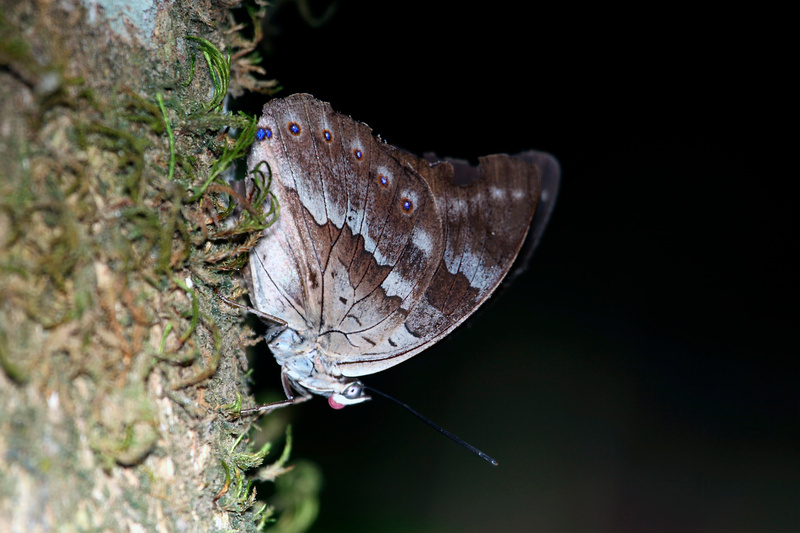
pixel 116 357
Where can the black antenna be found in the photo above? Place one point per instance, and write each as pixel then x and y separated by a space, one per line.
pixel 436 426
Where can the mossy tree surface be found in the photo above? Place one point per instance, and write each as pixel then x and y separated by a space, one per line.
pixel 118 364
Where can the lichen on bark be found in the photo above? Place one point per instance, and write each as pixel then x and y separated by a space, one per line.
pixel 117 360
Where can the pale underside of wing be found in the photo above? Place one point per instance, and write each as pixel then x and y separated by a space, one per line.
pixel 376 252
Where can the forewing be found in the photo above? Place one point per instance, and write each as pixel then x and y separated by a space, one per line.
pixel 357 233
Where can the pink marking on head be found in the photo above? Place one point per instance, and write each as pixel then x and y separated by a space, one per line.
pixel 333 403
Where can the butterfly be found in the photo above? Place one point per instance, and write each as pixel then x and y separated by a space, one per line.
pixel 377 254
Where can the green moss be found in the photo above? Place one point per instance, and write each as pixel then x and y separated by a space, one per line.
pixel 117 226
pixel 219 66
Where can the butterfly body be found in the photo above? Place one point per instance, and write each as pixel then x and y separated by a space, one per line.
pixel 377 254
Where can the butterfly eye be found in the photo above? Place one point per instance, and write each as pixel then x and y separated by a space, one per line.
pixel 353 390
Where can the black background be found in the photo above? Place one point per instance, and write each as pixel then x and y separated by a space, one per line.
pixel 639 376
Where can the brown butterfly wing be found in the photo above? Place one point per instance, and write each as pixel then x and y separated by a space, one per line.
pixel 357 232
pixel 377 254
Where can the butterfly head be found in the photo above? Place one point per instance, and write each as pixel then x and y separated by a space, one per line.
pixel 310 369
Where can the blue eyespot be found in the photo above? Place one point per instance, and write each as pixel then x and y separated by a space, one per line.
pixel 262 133
pixel 383 180
pixel 294 128
pixel 327 135
pixel 358 154
pixel 408 205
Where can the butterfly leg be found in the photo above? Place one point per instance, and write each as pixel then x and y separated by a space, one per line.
pixel 263 316
pixel 291 399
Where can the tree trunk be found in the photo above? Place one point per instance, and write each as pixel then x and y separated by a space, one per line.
pixel 120 368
